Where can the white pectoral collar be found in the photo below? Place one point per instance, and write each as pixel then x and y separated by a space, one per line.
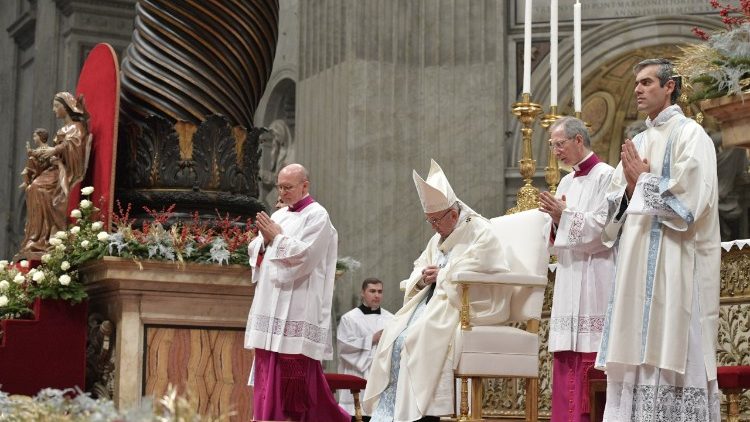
pixel 664 116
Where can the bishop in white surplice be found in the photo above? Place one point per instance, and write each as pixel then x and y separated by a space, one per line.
pixel 585 267
pixel 659 343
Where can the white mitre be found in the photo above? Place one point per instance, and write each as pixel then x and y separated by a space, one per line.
pixel 435 193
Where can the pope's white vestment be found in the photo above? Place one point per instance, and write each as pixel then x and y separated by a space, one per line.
pixel 660 336
pixel 585 266
pixel 291 310
pixel 412 370
pixel 355 348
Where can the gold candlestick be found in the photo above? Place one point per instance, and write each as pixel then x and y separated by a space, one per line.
pixel 579 116
pixel 552 171
pixel 526 112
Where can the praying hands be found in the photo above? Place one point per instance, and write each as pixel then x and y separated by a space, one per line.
pixel 632 165
pixel 548 204
pixel 267 227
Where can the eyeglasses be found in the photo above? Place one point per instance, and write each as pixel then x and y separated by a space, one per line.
pixel 434 221
pixel 558 144
pixel 287 188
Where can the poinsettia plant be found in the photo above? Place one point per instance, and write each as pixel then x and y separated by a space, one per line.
pixel 720 65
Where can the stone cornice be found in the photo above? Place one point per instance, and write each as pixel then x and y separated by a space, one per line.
pixel 22 30
pixel 108 7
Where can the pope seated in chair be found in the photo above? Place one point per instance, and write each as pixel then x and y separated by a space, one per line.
pixel 411 377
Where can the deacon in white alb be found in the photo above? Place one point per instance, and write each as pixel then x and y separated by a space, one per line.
pixel 660 336
pixel 412 370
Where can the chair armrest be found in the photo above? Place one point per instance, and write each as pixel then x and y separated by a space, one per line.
pixel 466 278
pixel 513 279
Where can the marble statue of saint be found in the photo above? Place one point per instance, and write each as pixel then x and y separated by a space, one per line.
pixel 276 152
pixel 56 170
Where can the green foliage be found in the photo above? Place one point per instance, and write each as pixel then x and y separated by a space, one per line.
pixel 223 242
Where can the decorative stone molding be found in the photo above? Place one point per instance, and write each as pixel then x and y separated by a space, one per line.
pixel 213 166
pixel 22 30
pixel 100 357
pixel 67 7
pixel 735 274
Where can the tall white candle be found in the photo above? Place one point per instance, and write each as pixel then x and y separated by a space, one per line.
pixel 553 52
pixel 527 48
pixel 577 56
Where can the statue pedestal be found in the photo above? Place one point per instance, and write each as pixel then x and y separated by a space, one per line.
pixel 170 324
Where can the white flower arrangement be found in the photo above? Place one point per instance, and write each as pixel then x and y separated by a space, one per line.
pixel 12 287
pixel 88 190
pixel 76 213
pixel 85 204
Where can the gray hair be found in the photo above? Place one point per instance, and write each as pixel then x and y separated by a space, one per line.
pixel 572 126
pixel 665 73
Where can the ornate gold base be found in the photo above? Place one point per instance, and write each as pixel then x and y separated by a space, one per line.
pixel 527 198
pixel 526 112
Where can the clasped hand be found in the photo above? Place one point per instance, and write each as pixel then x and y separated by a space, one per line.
pixel 632 165
pixel 429 274
pixel 267 227
pixel 548 204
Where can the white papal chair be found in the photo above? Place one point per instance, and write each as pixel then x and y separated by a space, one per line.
pixel 503 351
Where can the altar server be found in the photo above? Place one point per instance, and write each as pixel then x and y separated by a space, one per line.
pixel 585 267
pixel 294 263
